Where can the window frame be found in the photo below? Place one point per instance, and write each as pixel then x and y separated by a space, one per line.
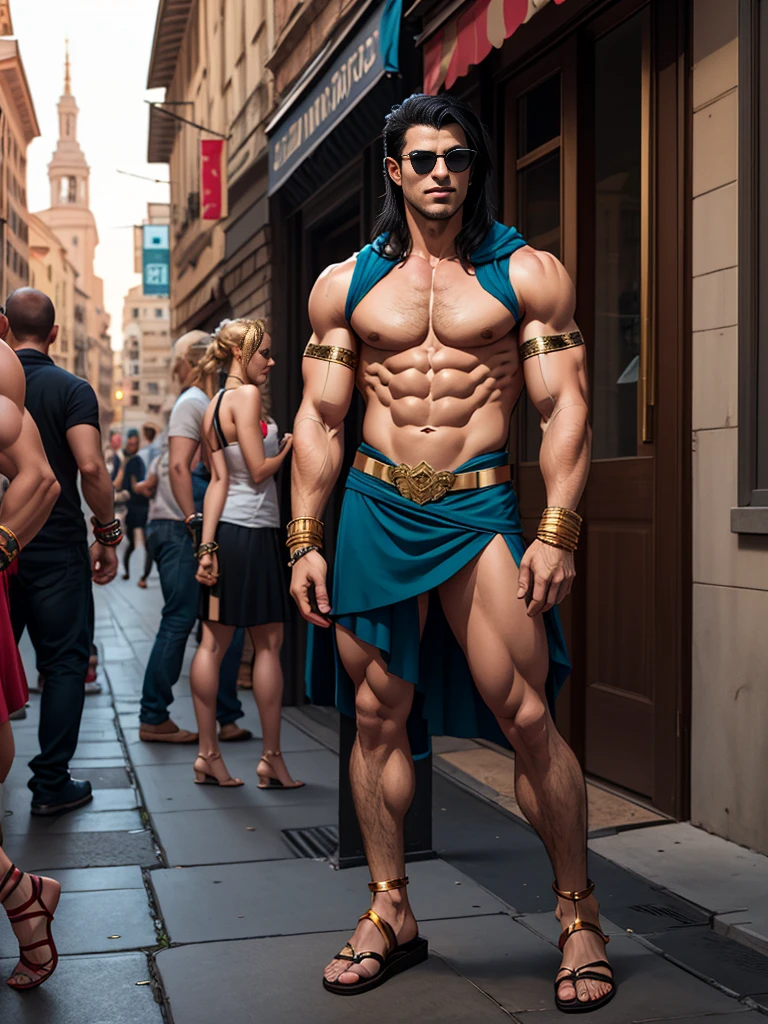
pixel 751 513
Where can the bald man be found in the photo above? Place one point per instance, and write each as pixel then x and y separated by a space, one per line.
pixel 51 595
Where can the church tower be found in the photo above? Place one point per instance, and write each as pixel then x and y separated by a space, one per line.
pixel 68 171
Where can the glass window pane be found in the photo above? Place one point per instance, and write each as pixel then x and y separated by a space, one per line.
pixel 539 116
pixel 539 222
pixel 618 128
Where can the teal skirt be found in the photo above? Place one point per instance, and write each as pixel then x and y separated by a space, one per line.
pixel 389 550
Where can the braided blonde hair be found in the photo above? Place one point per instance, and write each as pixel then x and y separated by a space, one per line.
pixel 247 335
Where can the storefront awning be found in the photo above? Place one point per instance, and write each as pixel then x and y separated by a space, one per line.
pixel 468 38
pixel 357 64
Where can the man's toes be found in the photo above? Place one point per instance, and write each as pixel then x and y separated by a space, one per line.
pixel 349 978
pixel 567 992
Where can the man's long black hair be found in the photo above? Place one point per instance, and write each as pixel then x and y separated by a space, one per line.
pixel 478 210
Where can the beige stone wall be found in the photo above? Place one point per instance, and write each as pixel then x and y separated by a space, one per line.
pixel 730 574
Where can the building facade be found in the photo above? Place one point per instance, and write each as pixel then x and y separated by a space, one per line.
pixel 52 272
pixel 211 60
pixel 146 358
pixel 18 127
pixel 71 220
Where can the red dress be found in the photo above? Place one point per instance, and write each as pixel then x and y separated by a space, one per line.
pixel 13 682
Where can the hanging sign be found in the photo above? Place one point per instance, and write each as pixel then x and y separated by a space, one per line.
pixel 155 259
pixel 213 197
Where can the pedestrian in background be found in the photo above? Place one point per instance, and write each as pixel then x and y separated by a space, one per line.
pixel 180 481
pixel 51 595
pixel 241 562
pixel 133 472
pixel 152 446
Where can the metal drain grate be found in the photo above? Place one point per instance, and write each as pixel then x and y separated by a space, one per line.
pixel 318 843
pixel 659 910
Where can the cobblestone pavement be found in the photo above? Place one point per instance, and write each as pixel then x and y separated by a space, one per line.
pixel 193 904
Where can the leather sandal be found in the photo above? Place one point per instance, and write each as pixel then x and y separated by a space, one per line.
pixel 396 958
pixel 269 781
pixel 36 973
pixel 583 973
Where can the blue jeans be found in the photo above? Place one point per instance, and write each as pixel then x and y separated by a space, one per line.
pixel 169 544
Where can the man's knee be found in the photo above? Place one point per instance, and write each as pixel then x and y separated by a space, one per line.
pixel 378 725
pixel 530 724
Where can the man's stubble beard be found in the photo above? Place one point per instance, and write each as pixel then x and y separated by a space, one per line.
pixel 439 214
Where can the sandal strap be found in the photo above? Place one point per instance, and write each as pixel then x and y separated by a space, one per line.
pixel 384 928
pixel 392 883
pixel 594 976
pixel 582 894
pixel 37 968
pixel 595 963
pixel 5 881
pixel 370 955
pixel 580 926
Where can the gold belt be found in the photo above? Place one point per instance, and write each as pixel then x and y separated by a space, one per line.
pixel 422 483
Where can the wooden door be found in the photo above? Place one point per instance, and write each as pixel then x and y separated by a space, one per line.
pixel 582 181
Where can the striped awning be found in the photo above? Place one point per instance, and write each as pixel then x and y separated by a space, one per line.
pixel 468 38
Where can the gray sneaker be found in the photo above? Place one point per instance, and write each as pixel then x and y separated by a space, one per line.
pixel 18 716
pixel 92 688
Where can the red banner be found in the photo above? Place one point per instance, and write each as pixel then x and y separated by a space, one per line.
pixel 213 184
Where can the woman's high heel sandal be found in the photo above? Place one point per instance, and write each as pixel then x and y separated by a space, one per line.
pixel 205 772
pixel 585 972
pixel 34 973
pixel 269 781
pixel 396 958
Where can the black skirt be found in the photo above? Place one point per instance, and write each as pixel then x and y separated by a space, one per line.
pixel 252 589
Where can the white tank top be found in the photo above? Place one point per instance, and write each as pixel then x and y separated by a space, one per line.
pixel 248 503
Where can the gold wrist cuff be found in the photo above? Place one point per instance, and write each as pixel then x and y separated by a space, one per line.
pixel 547 343
pixel 560 527
pixel 303 532
pixel 332 354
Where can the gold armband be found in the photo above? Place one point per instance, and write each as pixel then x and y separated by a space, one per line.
pixel 560 527
pixel 550 343
pixel 9 547
pixel 332 354
pixel 306 531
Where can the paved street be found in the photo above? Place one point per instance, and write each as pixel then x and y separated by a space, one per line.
pixel 191 904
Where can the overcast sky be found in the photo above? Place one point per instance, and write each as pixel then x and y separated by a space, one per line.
pixel 109 43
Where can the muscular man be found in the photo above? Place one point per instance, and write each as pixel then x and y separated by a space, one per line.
pixel 445 318
pixel 27 503
pixel 51 594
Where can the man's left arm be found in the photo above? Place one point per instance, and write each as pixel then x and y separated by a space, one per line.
pixel 33 489
pixel 555 371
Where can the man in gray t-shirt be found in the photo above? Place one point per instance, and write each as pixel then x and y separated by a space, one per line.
pixel 179 481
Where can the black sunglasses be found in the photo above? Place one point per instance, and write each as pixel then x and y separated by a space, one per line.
pixel 456 160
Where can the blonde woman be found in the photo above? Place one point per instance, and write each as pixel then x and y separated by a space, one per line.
pixel 241 559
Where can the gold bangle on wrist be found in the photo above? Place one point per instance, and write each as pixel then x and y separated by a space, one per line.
pixel 560 527
pixel 304 531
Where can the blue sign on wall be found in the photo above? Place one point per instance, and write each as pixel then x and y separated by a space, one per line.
pixel 353 72
pixel 156 259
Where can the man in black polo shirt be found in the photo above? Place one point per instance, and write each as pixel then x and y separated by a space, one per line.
pixel 51 595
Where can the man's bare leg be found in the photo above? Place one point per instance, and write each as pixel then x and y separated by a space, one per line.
pixel 383 782
pixel 507 655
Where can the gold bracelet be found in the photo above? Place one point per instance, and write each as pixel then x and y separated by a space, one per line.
pixel 331 354
pixel 11 535
pixel 560 527
pixel 303 531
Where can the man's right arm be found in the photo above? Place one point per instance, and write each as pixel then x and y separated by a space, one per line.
pixel 318 431
pixel 85 444
pixel 182 454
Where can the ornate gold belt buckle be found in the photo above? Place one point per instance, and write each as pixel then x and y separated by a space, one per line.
pixel 421 483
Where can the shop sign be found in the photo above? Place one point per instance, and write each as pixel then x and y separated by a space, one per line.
pixel 355 70
pixel 155 259
pixel 212 179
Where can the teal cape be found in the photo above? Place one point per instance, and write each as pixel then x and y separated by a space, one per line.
pixel 389 550
pixel 490 262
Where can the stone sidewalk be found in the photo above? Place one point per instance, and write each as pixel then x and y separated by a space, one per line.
pixel 191 904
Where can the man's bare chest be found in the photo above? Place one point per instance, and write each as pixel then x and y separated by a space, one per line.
pixel 414 303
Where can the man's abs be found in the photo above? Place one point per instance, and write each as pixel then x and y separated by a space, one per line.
pixel 439 368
